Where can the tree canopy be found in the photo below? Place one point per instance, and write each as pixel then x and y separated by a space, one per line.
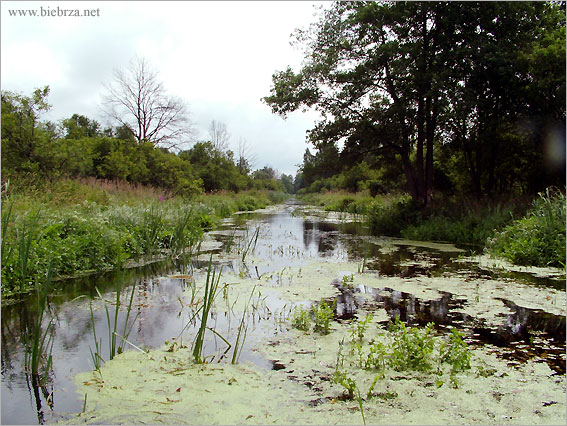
pixel 405 79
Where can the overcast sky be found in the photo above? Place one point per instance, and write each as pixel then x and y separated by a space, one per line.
pixel 218 56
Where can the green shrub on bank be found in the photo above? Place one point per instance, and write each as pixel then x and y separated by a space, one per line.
pixel 538 238
pixel 389 216
pixel 469 227
pixel 61 225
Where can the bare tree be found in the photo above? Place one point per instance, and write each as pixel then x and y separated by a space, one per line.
pixel 219 135
pixel 137 100
pixel 245 159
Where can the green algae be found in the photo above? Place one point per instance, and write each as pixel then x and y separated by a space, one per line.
pixel 164 386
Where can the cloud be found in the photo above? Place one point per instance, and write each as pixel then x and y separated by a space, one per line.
pixel 218 56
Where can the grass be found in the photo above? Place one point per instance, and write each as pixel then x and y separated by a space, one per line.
pixel 538 238
pixel 211 289
pixel 116 340
pixel 89 225
pixel 40 344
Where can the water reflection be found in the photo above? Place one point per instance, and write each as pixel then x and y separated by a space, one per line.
pixel 524 334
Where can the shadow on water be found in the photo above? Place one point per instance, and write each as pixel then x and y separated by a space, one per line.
pixel 525 333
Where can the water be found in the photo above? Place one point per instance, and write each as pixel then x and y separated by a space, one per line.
pixel 284 238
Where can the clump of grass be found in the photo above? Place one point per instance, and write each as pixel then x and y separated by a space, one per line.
pixel 116 340
pixel 211 289
pixel 538 238
pixel 40 344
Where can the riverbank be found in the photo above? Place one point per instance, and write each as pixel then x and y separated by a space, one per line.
pixel 78 227
pixel 528 232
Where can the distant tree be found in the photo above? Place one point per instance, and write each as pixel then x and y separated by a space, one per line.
pixel 287 181
pixel 22 133
pixel 78 126
pixel 219 135
pixel 245 158
pixel 266 172
pixel 137 100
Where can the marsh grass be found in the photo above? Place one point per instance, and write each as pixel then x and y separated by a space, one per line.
pixel 538 238
pixel 250 241
pixel 40 344
pixel 242 331
pixel 210 293
pixel 116 340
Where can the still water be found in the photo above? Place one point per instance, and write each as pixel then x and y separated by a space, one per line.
pixel 286 237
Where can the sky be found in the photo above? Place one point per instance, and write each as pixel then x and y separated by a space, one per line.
pixel 217 56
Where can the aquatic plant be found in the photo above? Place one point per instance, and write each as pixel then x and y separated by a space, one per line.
pixel 412 348
pixel 243 326
pixel 116 341
pixel 360 328
pixel 456 353
pixel 322 316
pixel 301 318
pixel 250 242
pixel 376 358
pixel 40 345
pixel 539 237
pixel 210 293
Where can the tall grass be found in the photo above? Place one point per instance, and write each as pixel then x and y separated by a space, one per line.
pixel 538 238
pixel 90 225
pixel 211 289
pixel 40 344
pixel 116 340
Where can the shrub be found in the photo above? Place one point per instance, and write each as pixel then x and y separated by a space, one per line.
pixel 538 238
pixel 390 217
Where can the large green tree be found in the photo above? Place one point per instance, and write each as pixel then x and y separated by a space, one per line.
pixel 407 77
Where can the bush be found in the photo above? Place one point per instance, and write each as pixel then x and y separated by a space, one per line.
pixel 389 218
pixel 538 238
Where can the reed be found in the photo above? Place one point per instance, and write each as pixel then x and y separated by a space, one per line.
pixel 251 242
pixel 243 326
pixel 25 237
pixel 115 346
pixel 211 288
pixel 40 346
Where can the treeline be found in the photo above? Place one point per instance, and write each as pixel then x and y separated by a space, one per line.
pixel 78 147
pixel 426 97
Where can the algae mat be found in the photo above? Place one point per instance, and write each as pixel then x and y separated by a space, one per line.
pixel 164 386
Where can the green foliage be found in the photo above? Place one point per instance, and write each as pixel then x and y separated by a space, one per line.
pixel 360 328
pixel 455 352
pixel 539 237
pixel 390 216
pixel 412 348
pixel 461 226
pixel 301 319
pixel 322 316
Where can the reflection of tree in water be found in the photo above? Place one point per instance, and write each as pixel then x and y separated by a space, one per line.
pixel 515 334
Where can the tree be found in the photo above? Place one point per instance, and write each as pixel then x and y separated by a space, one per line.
pixel 388 76
pixel 78 126
pixel 245 159
pixel 22 133
pixel 219 135
pixel 137 100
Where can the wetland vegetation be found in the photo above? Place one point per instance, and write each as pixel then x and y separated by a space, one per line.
pixel 413 271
